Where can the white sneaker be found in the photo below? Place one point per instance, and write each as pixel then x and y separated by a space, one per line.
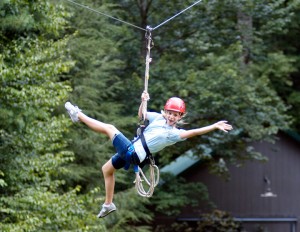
pixel 107 210
pixel 73 111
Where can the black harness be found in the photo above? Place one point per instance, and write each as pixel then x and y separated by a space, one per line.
pixel 149 157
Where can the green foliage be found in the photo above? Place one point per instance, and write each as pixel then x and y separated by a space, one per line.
pixel 100 90
pixel 216 221
pixel 132 213
pixel 33 150
pixel 175 193
pixel 97 90
pixel 199 56
pixel 21 18
pixel 223 67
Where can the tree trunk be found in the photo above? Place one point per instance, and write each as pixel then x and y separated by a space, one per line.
pixel 244 22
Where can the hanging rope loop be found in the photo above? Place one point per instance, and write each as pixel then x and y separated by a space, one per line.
pixel 152 182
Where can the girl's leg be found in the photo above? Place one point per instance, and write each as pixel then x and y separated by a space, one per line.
pixel 98 126
pixel 107 169
pixel 109 179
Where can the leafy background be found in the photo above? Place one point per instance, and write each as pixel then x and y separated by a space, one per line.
pixel 233 60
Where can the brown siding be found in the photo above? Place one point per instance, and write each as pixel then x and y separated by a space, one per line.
pixel 241 195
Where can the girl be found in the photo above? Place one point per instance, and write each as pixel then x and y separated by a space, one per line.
pixel 160 133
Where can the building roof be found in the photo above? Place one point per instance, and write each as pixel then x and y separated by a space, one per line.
pixel 294 135
pixel 187 160
pixel 181 164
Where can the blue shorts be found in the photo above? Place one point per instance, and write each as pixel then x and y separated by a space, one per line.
pixel 122 145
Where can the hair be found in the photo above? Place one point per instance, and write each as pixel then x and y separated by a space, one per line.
pixel 180 122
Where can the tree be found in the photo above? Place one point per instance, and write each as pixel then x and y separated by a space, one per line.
pixel 33 60
pixel 215 221
pixel 98 89
pixel 106 87
pixel 202 56
pixel 198 56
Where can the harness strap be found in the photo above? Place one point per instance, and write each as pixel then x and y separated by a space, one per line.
pixel 128 156
pixel 153 181
pixel 145 146
pixel 131 151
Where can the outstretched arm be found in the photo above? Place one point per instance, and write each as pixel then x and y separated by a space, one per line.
pixel 221 125
pixel 145 97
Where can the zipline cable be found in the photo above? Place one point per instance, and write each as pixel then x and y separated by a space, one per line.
pixel 130 24
pixel 176 15
pixel 96 11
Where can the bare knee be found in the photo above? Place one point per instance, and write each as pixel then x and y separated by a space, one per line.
pixel 108 168
pixel 111 130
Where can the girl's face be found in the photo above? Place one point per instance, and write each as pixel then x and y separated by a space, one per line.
pixel 172 117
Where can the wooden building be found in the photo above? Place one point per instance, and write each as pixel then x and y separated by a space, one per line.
pixel 260 195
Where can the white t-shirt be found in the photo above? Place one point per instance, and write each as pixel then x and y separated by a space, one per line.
pixel 158 135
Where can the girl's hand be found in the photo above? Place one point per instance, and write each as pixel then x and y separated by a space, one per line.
pixel 223 125
pixel 145 96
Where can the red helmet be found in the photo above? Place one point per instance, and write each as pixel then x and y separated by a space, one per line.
pixel 175 104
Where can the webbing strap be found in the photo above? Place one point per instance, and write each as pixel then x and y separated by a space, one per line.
pixel 145 145
pixel 152 182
